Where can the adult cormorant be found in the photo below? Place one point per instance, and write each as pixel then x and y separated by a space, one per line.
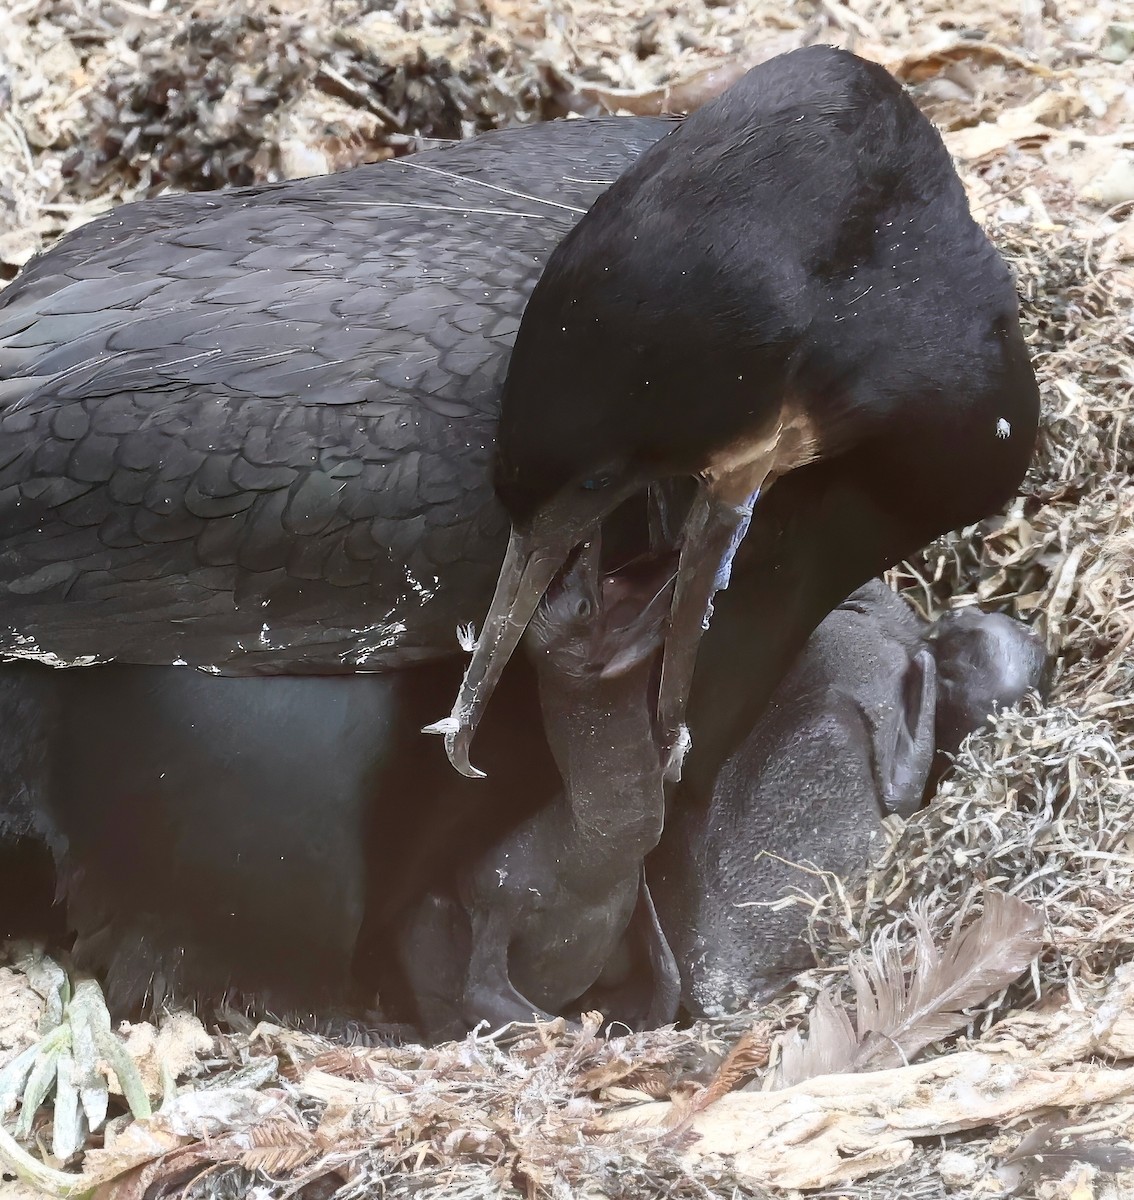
pixel 252 432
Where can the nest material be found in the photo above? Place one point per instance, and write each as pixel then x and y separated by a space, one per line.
pixel 103 101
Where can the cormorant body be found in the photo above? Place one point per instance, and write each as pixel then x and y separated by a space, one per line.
pixel 275 838
pixel 256 838
pixel 251 430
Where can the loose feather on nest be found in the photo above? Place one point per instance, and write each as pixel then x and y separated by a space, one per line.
pixel 899 1013
pixel 1053 1145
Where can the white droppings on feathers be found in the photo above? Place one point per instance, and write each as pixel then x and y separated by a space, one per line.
pixel 25 648
pixel 423 592
pixel 382 635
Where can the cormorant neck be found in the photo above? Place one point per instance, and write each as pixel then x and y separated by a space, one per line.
pixel 601 735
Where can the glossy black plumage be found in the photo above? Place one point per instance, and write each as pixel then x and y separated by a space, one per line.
pixel 790 279
pixel 254 837
pixel 251 430
pixel 801 242
pixel 174 491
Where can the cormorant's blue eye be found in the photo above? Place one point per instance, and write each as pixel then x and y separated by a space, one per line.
pixel 597 484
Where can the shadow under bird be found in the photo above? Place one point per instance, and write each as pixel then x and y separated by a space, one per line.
pixel 281 431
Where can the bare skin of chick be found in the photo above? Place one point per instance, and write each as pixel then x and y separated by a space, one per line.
pixel 547 908
pixel 851 735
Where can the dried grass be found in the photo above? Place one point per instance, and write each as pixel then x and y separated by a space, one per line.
pixel 106 100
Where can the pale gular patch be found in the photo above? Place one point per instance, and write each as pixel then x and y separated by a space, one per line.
pixel 755 461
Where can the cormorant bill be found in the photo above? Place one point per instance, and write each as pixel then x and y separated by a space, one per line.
pixel 791 276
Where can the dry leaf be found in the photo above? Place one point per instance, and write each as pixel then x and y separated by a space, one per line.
pixel 606 1074
pixel 749 1055
pixel 1114 184
pixel 215 1111
pixel 926 61
pixel 172 1050
pixel 147 1179
pixel 680 96
pixel 353 1105
pixel 1013 125
pixel 830 1131
pixel 137 1142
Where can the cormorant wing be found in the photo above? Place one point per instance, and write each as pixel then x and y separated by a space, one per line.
pixel 251 430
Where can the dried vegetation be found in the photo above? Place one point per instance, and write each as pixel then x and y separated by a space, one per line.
pixel 107 100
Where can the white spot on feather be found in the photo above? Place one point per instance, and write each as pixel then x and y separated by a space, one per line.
pixel 424 593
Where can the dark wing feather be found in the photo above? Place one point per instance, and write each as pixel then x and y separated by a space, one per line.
pixel 251 430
